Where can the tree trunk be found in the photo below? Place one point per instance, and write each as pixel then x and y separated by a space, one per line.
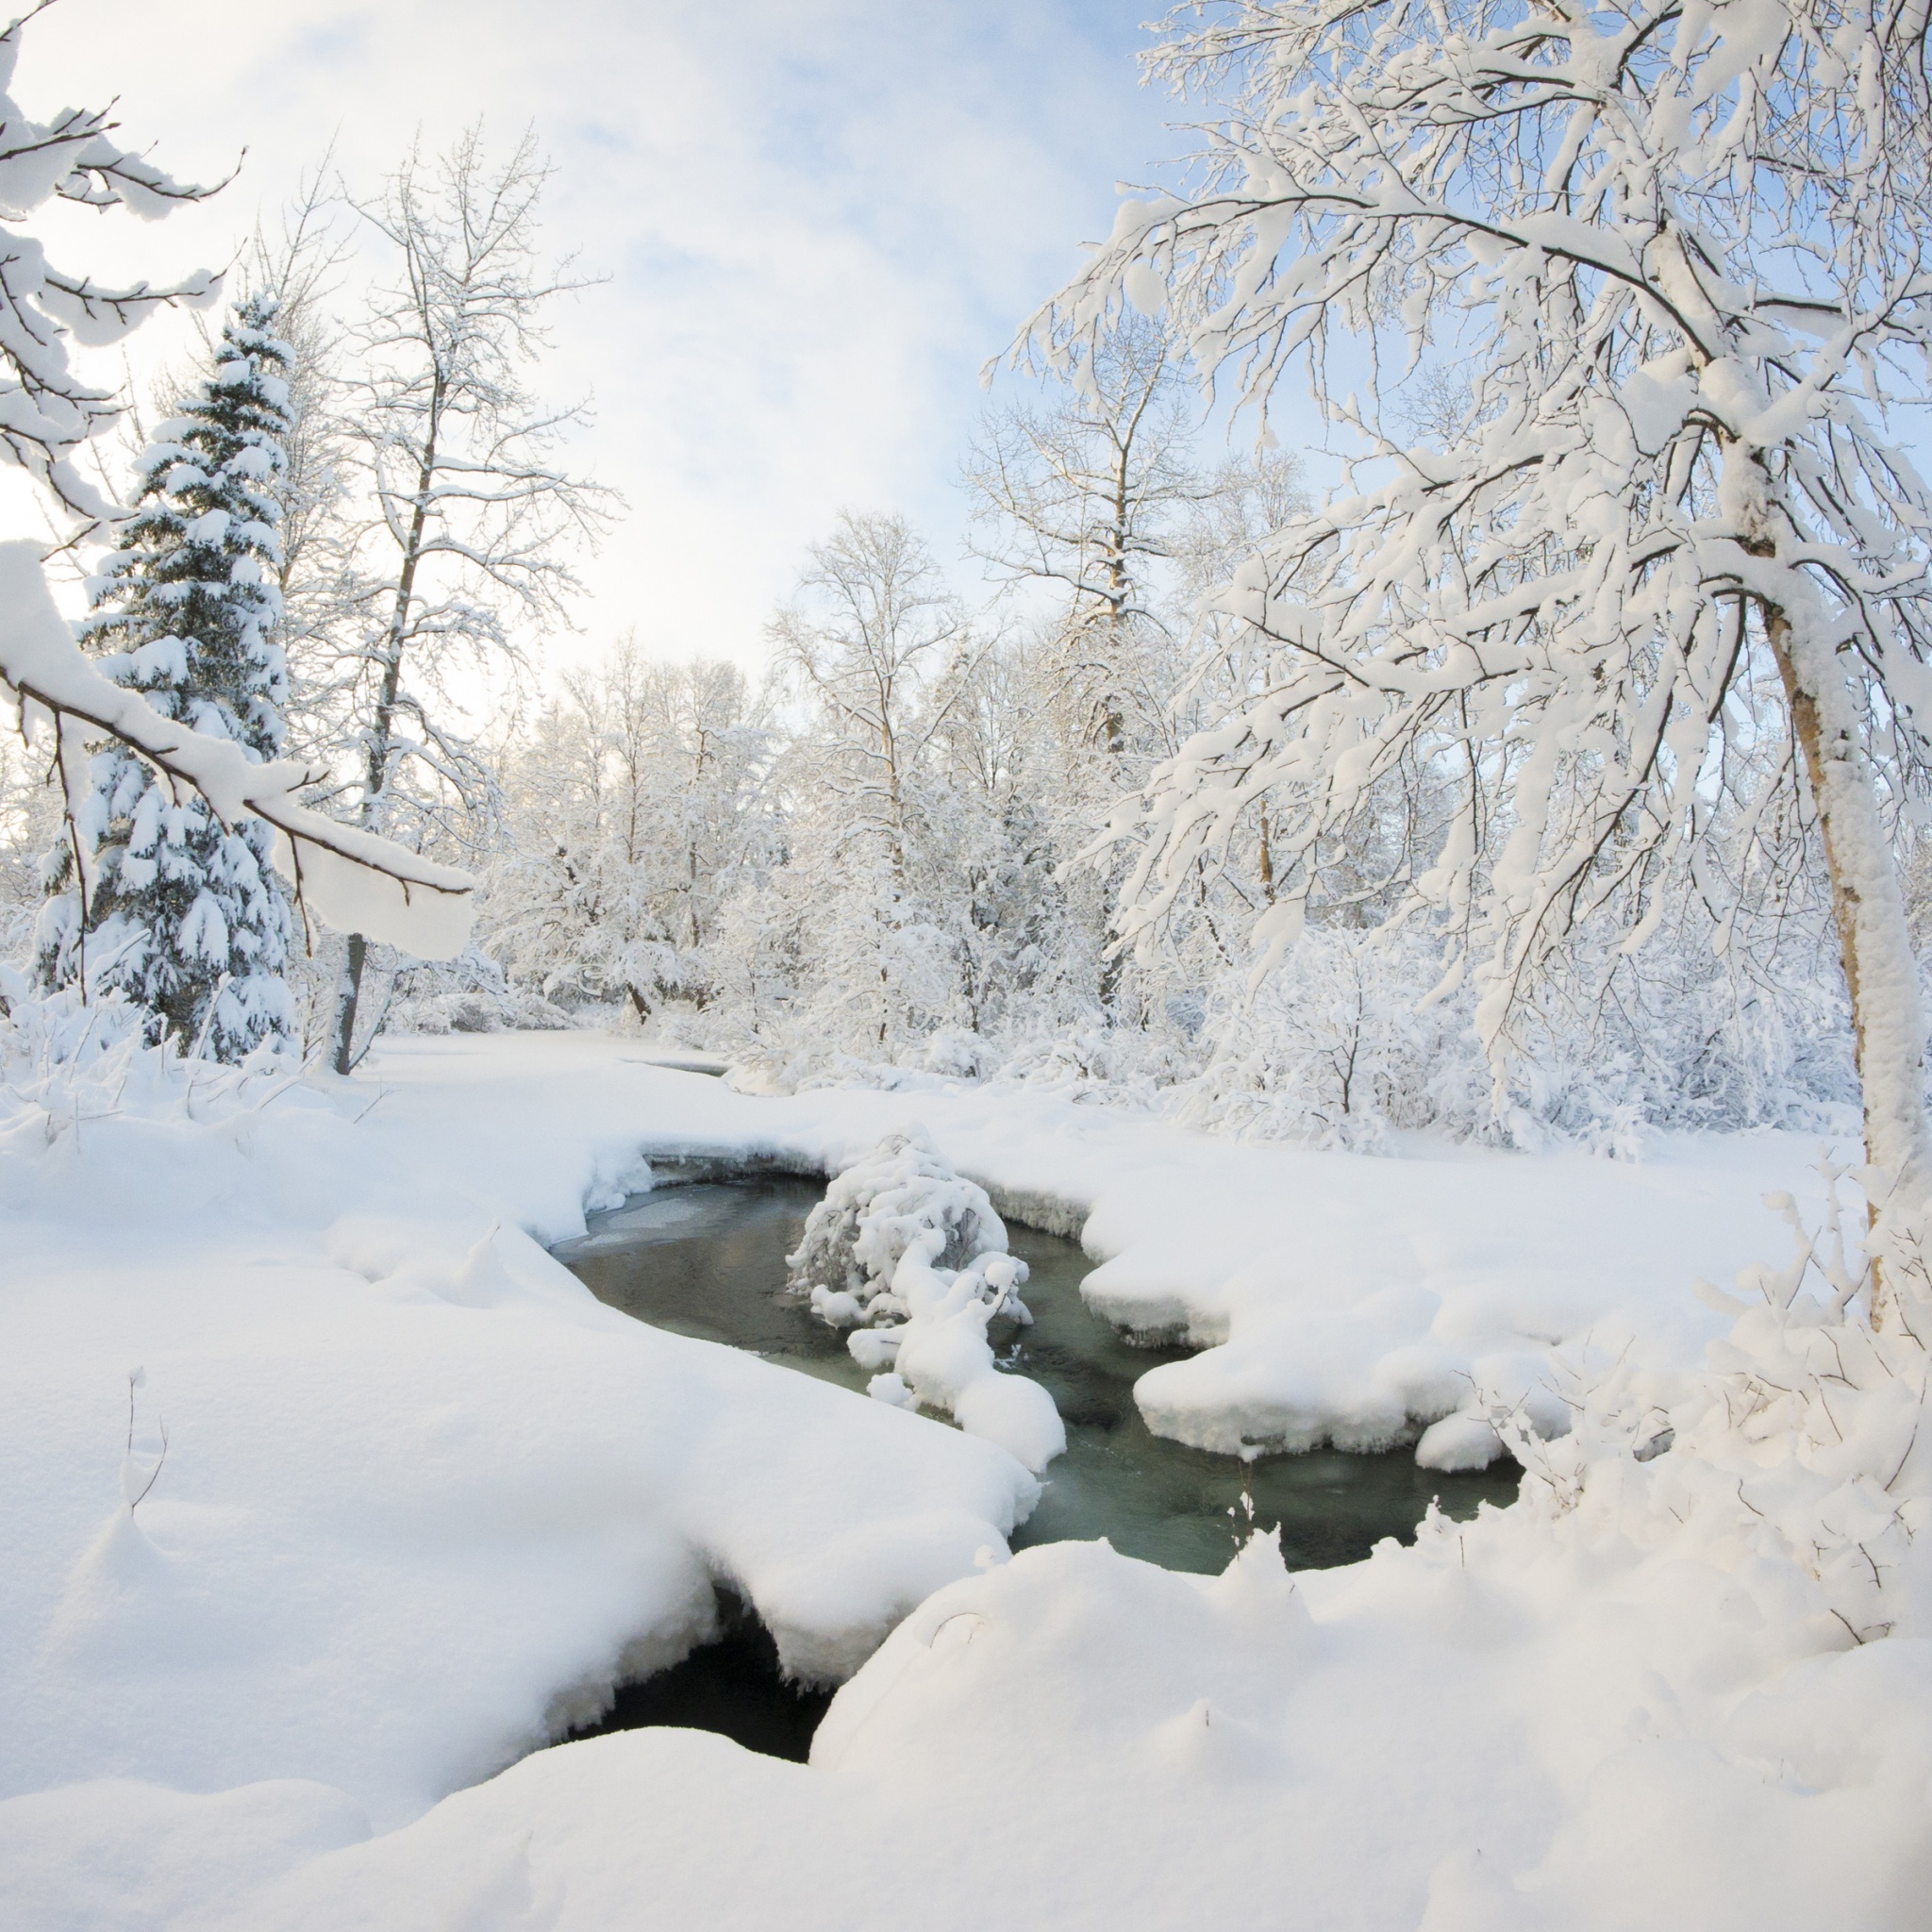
pixel 1875 940
pixel 351 993
pixel 348 996
pixel 382 728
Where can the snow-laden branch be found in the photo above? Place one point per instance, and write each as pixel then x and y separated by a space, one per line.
pixel 46 413
pixel 349 878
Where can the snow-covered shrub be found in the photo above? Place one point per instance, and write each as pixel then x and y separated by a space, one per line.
pixel 955 1055
pixel 1351 1038
pixel 1811 1423
pixel 900 1191
pixel 1799 1458
pixel 53 1042
pixel 470 994
pixel 65 1062
pixel 911 1256
pixel 1332 1048
pixel 1112 1064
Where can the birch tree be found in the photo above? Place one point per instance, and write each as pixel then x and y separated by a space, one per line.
pixel 471 519
pixel 1680 253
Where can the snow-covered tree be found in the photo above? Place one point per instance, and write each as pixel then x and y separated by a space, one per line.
pixel 154 894
pixel 879 648
pixel 994 839
pixel 1086 496
pixel 469 519
pixel 636 807
pixel 47 413
pixel 1097 500
pixel 327 597
pixel 47 416
pixel 1679 256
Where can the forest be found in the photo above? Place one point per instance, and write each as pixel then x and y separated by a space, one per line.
pixel 934 832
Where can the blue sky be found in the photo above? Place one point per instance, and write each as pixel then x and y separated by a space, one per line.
pixel 818 218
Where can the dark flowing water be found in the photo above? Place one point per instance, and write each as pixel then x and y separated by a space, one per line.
pixel 733 1686
pixel 710 1261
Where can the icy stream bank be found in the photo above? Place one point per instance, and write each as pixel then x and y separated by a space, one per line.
pixel 708 1260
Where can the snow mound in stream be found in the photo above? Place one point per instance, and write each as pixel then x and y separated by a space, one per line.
pixel 911 1256
pixel 899 1191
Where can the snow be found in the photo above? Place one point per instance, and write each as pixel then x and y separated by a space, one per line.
pixel 423 1498
pixel 906 1237
pixel 422 1492
pixel 1337 1297
pixel 1433 1738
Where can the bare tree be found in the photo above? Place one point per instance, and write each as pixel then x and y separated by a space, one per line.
pixel 456 457
pixel 1087 496
pixel 872 628
pixel 325 594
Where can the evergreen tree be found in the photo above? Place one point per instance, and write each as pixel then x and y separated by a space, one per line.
pixel 179 911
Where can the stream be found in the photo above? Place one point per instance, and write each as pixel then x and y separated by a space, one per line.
pixel 708 1260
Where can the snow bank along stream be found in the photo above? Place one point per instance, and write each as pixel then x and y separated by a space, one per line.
pixel 708 1259
pixel 427 1500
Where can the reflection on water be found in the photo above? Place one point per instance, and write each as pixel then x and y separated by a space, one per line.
pixel 709 1261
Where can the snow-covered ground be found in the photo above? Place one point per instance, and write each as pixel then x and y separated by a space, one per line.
pixel 423 1499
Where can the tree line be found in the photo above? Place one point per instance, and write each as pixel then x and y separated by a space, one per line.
pixel 1556 773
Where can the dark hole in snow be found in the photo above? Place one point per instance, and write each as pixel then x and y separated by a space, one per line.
pixel 732 1685
pixel 708 1259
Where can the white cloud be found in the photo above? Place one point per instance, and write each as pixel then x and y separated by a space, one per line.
pixel 818 217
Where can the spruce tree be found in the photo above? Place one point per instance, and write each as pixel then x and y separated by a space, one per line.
pixel 182 913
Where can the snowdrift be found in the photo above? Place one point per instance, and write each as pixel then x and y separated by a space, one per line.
pixel 424 1500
